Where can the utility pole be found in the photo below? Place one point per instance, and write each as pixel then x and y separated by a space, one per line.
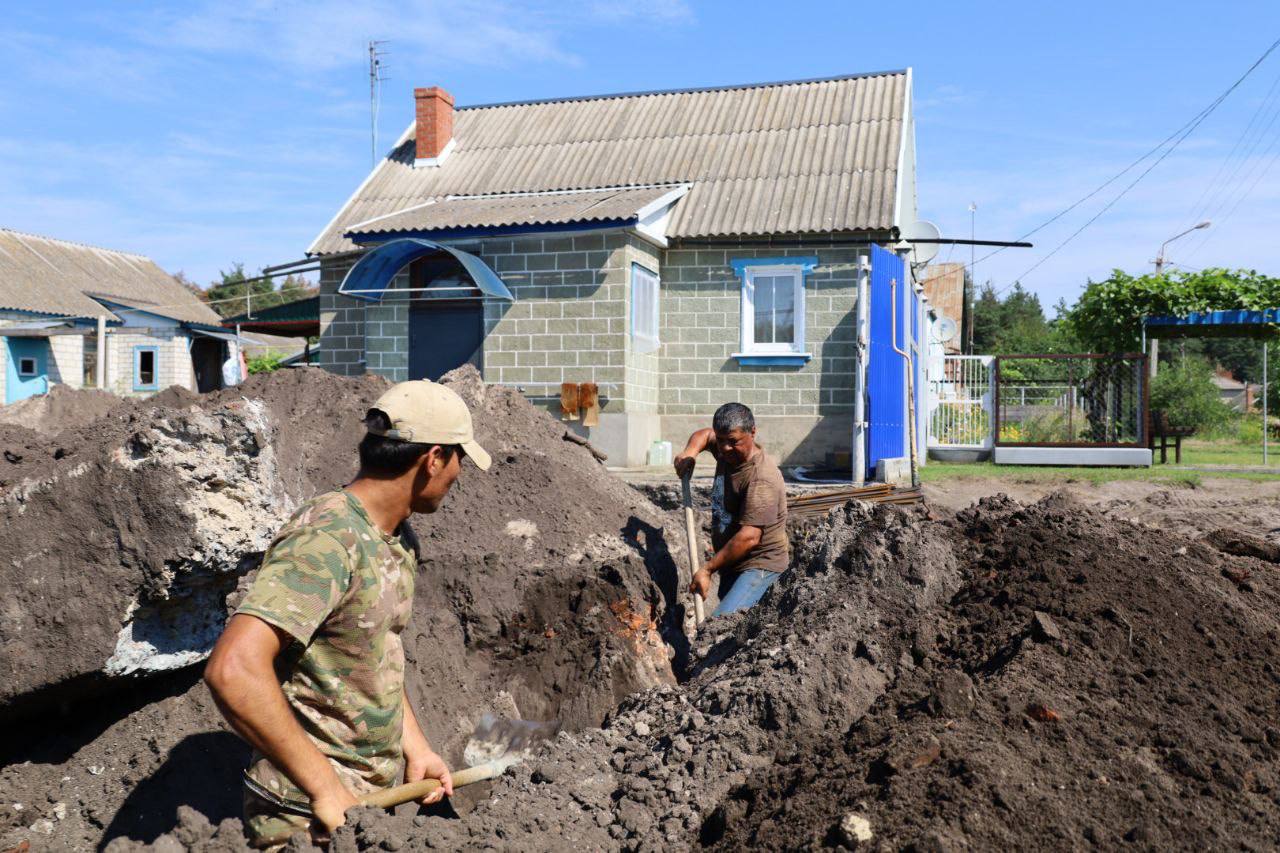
pixel 376 80
pixel 1153 345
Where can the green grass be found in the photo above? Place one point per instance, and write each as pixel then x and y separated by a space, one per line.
pixel 1204 456
pixel 938 472
pixel 1198 452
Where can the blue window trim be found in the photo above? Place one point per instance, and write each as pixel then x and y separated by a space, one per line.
pixel 657 296
pixel 155 368
pixel 796 360
pixel 806 263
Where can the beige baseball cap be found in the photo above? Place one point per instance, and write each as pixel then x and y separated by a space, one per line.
pixel 426 412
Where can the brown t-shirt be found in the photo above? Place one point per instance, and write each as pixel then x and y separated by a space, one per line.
pixel 755 495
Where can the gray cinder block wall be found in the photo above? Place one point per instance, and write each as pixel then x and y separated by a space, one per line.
pixel 570 322
pixel 803 413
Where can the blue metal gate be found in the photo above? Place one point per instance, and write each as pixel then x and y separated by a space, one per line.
pixel 886 369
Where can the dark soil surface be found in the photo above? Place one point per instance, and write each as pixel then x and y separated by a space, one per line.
pixel 62 408
pixel 1091 685
pixel 1018 677
pixel 1010 676
pixel 546 588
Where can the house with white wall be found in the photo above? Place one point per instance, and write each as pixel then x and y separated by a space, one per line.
pixel 676 249
pixel 83 316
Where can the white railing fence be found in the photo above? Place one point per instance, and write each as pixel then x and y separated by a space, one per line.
pixel 960 413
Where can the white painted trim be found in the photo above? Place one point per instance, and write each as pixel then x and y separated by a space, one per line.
pixel 748 346
pixel 433 162
pixel 394 213
pixel 579 191
pixel 659 204
pixel 908 126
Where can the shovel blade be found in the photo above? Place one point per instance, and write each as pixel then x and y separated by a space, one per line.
pixel 505 741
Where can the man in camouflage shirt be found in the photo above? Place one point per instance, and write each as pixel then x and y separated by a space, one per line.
pixel 310 669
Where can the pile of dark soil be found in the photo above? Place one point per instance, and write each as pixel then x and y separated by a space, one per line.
pixel 62 408
pixel 1016 677
pixel 1009 677
pixel 1092 683
pixel 546 586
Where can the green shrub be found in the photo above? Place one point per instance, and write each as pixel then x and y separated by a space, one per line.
pixel 265 363
pixel 1184 390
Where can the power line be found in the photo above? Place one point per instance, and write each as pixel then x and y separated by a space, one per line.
pixel 1263 166
pixel 1206 196
pixel 1172 142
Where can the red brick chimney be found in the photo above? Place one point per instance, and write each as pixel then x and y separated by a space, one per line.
pixel 434 124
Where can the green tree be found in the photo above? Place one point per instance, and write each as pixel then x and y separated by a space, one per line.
pixel 1184 390
pixel 1016 325
pixel 228 296
pixel 1108 315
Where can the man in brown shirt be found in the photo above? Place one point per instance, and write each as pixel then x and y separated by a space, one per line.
pixel 748 507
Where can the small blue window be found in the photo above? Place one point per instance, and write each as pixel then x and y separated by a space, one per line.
pixel 146 368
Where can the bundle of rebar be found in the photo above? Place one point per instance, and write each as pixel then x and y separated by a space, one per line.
pixel 817 504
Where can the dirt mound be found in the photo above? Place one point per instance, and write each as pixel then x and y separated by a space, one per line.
pixel 1014 678
pixel 62 408
pixel 546 584
pixel 1092 683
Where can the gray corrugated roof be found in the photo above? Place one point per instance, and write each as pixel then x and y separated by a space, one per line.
pixel 495 211
pixel 52 276
pixel 778 158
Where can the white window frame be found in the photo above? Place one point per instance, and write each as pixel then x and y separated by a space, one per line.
pixel 749 273
pixel 641 340
pixel 35 367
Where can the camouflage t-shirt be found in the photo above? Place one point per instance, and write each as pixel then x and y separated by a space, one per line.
pixel 343 590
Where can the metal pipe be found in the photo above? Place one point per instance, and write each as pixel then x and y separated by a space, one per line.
pixel 1264 401
pixel 862 350
pixel 306 261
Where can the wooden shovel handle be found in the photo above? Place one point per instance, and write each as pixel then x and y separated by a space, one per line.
pixel 691 536
pixel 388 798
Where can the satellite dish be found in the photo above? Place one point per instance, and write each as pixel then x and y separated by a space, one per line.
pixel 945 329
pixel 922 253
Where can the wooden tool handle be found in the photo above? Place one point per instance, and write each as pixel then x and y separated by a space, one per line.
pixel 389 798
pixel 691 536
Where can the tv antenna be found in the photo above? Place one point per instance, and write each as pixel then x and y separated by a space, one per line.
pixel 376 78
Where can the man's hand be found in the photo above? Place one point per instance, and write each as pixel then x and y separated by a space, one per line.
pixel 421 761
pixel 330 808
pixel 429 765
pixel 684 465
pixel 701 584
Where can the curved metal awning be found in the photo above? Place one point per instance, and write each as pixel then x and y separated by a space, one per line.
pixel 372 274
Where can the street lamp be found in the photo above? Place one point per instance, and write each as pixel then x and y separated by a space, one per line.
pixel 1160 255
pixel 1154 344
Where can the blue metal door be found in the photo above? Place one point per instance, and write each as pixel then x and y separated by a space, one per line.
pixel 886 369
pixel 26 368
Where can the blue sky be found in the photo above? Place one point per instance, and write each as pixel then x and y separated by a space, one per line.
pixel 202 133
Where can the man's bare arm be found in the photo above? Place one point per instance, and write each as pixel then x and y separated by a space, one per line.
pixel 733 552
pixel 698 442
pixel 241 676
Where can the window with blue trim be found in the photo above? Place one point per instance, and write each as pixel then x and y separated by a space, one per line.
pixel 146 368
pixel 644 309
pixel 773 309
